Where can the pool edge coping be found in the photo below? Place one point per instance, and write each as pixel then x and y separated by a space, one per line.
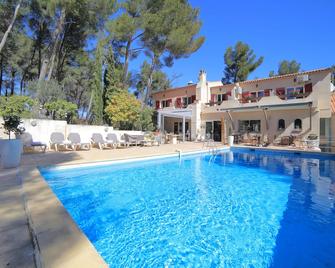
pixel 66 232
pixel 130 159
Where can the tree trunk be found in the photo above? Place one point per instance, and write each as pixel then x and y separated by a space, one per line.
pixel 89 107
pixel 126 61
pixel 50 60
pixel 4 38
pixel 60 29
pixel 1 74
pixel 149 83
pixel 12 83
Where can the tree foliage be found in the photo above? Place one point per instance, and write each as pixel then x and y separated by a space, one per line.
pixel 21 106
pixel 286 67
pixel 96 111
pixel 81 51
pixel 240 61
pixel 123 110
pixel 61 110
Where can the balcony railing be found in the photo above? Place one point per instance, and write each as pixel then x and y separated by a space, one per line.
pixel 253 99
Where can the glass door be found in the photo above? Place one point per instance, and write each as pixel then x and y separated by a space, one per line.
pixel 209 130
pixel 217 131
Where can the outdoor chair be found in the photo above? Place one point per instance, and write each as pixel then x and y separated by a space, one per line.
pixel 99 141
pixel 57 139
pixel 28 142
pixel 133 139
pixel 112 137
pixel 76 142
pixel 149 140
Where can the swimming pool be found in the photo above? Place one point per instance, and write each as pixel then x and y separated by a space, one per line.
pixel 235 209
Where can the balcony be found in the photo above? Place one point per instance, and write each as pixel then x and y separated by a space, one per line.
pixel 256 102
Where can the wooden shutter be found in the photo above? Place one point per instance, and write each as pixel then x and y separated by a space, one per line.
pixel 178 102
pixel 213 97
pixel 193 98
pixel 158 104
pixel 281 92
pixel 267 92
pixel 308 88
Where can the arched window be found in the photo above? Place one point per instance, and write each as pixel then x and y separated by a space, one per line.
pixel 297 124
pixel 281 124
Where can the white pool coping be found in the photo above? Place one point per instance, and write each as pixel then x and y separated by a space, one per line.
pixel 132 160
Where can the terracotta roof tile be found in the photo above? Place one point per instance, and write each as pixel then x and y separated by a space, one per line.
pixel 191 87
pixel 228 86
pixel 332 103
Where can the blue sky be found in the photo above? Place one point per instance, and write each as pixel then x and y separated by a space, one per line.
pixel 303 30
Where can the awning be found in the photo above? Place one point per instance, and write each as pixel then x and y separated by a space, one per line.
pixel 180 113
pixel 274 106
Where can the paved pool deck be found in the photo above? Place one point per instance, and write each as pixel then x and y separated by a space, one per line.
pixel 35 228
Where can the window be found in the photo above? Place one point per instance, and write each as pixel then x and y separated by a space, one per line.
pixel 249 126
pixel 165 103
pixel 222 97
pixel 297 124
pixel 281 124
pixel 322 126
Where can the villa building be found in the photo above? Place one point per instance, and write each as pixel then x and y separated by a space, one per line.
pixel 293 105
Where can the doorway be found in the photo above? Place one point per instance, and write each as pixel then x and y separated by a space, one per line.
pixel 213 130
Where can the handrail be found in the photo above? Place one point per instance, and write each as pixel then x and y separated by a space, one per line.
pixel 257 99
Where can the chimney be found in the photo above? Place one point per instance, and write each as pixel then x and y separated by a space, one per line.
pixel 202 89
pixel 202 77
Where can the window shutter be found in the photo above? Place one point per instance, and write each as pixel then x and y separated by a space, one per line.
pixel 178 102
pixel 193 98
pixel 308 88
pixel 158 104
pixel 169 102
pixel 213 97
pixel 267 92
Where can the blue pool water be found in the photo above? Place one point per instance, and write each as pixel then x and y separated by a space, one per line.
pixel 238 209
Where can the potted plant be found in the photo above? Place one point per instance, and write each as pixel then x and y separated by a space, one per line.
pixel 11 148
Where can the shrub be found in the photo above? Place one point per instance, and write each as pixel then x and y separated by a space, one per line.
pixel 20 106
pixel 61 110
pixel 12 124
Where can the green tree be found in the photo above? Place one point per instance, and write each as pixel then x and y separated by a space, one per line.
pixel 113 77
pixel 286 67
pixel 61 110
pixel 145 120
pixel 96 109
pixel 240 61
pixel 20 106
pixel 171 29
pixel 123 110
pixel 11 24
pixel 46 91
pixel 71 23
pixel 160 80
pixel 126 30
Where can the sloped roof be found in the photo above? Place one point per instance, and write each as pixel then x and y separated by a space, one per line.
pixel 188 87
pixel 276 77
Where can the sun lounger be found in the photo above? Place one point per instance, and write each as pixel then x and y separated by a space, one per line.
pixel 28 142
pixel 133 139
pixel 99 141
pixel 76 142
pixel 57 139
pixel 112 137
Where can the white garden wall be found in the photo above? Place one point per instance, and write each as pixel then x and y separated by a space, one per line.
pixel 41 130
